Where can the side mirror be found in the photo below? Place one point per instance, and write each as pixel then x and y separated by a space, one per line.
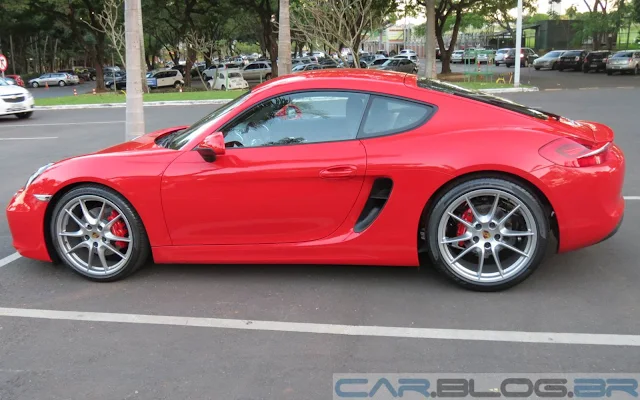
pixel 211 147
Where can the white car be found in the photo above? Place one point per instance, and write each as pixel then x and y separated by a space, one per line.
pixel 500 54
pixel 228 79
pixel 408 52
pixel 15 100
pixel 456 56
pixel 164 77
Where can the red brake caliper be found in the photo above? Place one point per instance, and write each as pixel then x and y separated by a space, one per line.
pixel 118 229
pixel 467 216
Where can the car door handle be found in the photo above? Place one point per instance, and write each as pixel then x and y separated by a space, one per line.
pixel 339 171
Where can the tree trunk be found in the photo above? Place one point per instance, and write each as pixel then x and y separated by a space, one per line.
pixel 133 35
pixel 99 49
pixel 446 55
pixel 53 56
pixel 14 59
pixel 191 57
pixel 284 39
pixel 430 46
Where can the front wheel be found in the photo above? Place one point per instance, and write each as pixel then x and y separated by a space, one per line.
pixel 609 73
pixel 24 115
pixel 35 85
pixel 267 77
pixel 487 234
pixel 97 233
pixel 537 68
pixel 61 84
pixel 177 85
pixel 636 71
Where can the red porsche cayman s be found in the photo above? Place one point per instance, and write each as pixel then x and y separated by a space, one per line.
pixel 334 167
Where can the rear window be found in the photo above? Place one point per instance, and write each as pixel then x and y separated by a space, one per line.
pixel 502 51
pixel 444 87
pixel 623 54
pixel 554 53
pixel 387 116
pixel 572 53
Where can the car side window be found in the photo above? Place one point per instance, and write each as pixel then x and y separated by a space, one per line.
pixel 221 76
pixel 299 118
pixel 387 116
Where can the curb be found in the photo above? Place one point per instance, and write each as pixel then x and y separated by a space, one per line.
pixel 511 90
pixel 123 105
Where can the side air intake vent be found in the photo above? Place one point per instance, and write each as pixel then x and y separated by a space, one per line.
pixel 378 197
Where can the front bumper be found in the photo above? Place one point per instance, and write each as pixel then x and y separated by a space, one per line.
pixel 7 108
pixel 26 216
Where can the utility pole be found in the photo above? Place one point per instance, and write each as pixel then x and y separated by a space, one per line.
pixel 430 48
pixel 133 39
pixel 516 75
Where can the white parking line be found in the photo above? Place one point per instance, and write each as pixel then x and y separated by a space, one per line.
pixel 331 329
pixel 9 259
pixel 60 124
pixel 30 138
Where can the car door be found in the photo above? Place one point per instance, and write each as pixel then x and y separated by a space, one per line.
pixel 292 172
pixel 249 71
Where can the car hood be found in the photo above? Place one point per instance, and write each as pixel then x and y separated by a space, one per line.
pixel 13 89
pixel 144 142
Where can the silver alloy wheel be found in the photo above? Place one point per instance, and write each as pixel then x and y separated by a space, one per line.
pixel 83 230
pixel 497 244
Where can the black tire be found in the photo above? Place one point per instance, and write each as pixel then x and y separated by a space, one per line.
pixel 528 198
pixel 586 70
pixel 553 66
pixel 507 65
pixel 177 84
pixel 560 69
pixel 35 85
pixel 223 87
pixel 267 77
pixel 62 84
pixel 141 250
pixel 636 71
pixel 537 68
pixel 24 115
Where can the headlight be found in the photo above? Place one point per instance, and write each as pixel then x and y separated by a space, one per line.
pixel 36 174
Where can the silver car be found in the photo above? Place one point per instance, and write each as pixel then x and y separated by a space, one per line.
pixel 257 71
pixel 624 61
pixel 499 59
pixel 456 56
pixel 548 60
pixel 54 78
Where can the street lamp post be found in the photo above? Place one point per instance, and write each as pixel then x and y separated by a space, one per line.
pixel 516 75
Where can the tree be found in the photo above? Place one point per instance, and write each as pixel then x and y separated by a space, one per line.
pixel 338 24
pixel 498 12
pixel 636 10
pixel 133 42
pixel 284 40
pixel 430 34
pixel 265 11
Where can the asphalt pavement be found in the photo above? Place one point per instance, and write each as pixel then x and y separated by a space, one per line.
pixel 266 341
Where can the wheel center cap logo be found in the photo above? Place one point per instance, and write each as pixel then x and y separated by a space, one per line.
pixel 95 235
pixel 486 234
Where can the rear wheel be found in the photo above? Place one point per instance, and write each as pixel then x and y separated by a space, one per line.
pixel 223 87
pixel 97 233
pixel 636 71
pixel 267 77
pixel 61 84
pixel 609 73
pixel 487 234
pixel 177 85
pixel 537 68
pixel 35 85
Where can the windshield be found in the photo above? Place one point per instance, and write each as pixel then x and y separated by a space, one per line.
pixel 180 138
pixel 503 51
pixel 571 53
pixel 235 75
pixel 298 68
pixel 482 97
pixel 390 63
pixel 3 82
pixel 623 54
pixel 553 54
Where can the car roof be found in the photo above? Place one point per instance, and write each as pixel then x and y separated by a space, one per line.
pixel 323 79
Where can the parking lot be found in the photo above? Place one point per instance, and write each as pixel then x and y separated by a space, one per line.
pixel 280 332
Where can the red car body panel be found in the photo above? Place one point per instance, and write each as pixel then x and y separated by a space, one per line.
pixel 299 203
pixel 16 78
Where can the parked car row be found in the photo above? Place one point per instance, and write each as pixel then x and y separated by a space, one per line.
pixel 582 60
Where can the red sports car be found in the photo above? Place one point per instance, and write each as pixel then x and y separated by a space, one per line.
pixel 334 167
pixel 16 78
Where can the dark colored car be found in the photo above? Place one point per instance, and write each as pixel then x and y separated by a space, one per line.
pixel 572 59
pixel 17 79
pixel 120 80
pixel 527 56
pixel 596 61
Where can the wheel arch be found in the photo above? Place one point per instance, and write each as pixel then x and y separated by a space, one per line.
pixel 499 174
pixel 51 205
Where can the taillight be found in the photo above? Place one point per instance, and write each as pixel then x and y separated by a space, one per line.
pixel 570 153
